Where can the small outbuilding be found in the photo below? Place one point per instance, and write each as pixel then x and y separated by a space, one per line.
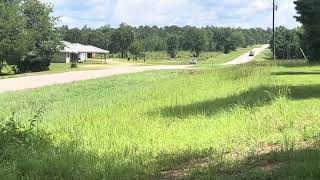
pixel 78 52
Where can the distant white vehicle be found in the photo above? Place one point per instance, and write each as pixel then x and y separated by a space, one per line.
pixel 252 53
pixel 193 61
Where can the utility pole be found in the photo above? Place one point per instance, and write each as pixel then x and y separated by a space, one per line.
pixel 274 32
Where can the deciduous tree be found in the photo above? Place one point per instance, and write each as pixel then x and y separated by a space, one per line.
pixel 194 40
pixel 122 39
pixel 173 46
pixel 135 49
pixel 45 40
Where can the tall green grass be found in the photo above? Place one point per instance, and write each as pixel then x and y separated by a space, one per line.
pixel 144 126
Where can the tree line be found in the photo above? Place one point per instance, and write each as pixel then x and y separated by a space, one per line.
pixel 127 39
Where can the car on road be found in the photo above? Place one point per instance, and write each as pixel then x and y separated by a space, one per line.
pixel 252 53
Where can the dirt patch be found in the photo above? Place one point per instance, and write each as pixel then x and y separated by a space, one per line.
pixel 185 169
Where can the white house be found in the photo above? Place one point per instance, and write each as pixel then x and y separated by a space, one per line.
pixel 78 52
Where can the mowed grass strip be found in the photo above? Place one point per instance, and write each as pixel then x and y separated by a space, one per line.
pixel 150 125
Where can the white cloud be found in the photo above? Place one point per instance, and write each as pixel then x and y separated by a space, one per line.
pixel 147 12
pixel 244 13
pixel 286 13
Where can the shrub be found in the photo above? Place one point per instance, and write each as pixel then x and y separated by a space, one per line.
pixel 37 66
pixel 14 134
pixel 74 65
pixel 33 66
pixel 23 66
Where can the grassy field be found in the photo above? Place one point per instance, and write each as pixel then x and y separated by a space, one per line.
pixel 256 121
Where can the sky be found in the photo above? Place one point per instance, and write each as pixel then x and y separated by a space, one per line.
pixel 234 13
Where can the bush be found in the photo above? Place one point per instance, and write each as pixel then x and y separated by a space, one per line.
pixel 74 65
pixel 23 66
pixel 37 66
pixel 32 66
pixel 14 134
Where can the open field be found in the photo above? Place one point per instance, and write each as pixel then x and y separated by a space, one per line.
pixel 258 121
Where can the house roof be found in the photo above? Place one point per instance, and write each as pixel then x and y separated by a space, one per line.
pixel 79 48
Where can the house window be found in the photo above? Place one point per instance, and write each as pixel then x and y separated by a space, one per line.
pixel 68 55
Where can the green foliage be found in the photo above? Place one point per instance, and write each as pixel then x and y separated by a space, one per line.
pixel 194 41
pixel 73 65
pixel 27 36
pixel 287 43
pixel 135 49
pixel 309 15
pixel 13 38
pixel 122 39
pixel 45 41
pixel 72 35
pixel 173 46
pixel 229 39
pixel 155 38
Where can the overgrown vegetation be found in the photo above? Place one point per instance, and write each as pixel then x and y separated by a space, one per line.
pixel 237 122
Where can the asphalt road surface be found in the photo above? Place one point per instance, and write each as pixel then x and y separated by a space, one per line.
pixel 245 58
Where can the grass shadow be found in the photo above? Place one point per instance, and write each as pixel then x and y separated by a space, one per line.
pixel 295 73
pixel 301 92
pixel 252 98
pixel 277 164
pixel 287 63
pixel 255 97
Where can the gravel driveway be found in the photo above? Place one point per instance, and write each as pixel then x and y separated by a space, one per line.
pixel 29 82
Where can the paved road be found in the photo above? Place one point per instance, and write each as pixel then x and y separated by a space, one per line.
pixel 29 82
pixel 245 58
